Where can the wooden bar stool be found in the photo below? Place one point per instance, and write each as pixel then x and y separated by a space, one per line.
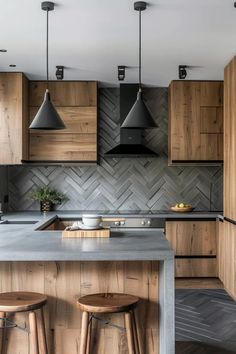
pixel 108 303
pixel 19 301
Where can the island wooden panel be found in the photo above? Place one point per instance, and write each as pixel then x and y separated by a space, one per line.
pixel 64 282
pixel 195 121
pixel 230 140
pixel 13 118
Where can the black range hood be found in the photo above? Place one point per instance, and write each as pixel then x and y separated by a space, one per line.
pixel 131 140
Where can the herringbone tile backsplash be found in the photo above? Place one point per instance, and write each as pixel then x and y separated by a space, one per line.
pixel 137 183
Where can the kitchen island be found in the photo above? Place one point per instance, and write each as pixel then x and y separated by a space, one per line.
pixel 139 263
pixel 130 261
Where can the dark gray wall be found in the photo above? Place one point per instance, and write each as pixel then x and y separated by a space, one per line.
pixel 137 183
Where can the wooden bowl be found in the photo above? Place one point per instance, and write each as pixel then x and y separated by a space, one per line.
pixel 182 210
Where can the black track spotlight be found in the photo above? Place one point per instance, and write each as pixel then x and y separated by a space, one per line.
pixel 182 72
pixel 60 72
pixel 121 72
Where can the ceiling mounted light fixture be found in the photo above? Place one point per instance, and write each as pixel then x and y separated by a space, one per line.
pixel 47 117
pixel 139 116
pixel 121 72
pixel 60 72
pixel 182 72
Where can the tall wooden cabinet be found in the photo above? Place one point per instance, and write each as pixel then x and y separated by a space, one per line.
pixel 230 141
pixel 227 238
pixel 76 103
pixel 227 256
pixel 195 122
pixel 13 118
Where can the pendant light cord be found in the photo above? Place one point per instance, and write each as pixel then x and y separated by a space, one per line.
pixel 47 49
pixel 140 57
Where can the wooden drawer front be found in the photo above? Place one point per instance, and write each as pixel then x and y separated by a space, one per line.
pixel 192 238
pixel 67 147
pixel 66 93
pixel 195 267
pixel 76 119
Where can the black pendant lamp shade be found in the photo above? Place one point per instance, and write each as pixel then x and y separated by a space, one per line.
pixel 139 117
pixel 47 117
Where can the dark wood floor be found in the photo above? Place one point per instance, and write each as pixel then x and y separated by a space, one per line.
pixel 205 318
pixel 199 348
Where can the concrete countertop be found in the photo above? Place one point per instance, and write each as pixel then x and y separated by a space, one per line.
pixel 36 215
pixel 22 242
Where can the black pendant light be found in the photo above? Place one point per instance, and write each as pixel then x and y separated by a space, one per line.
pixel 139 116
pixel 47 117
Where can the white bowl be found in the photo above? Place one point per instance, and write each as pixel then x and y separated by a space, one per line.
pixel 91 220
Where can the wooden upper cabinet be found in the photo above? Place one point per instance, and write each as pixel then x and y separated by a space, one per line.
pixel 65 93
pixel 195 121
pixel 13 118
pixel 76 103
pixel 230 141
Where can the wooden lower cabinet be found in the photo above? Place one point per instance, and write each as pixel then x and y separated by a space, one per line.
pixel 195 246
pixel 64 282
pixel 227 256
pixel 195 267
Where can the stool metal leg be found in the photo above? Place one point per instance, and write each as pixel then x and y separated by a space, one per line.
pixel 135 333
pixel 3 330
pixel 84 332
pixel 129 329
pixel 33 333
pixel 42 333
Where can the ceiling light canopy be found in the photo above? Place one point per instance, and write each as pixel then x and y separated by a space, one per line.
pixel 47 117
pixel 139 116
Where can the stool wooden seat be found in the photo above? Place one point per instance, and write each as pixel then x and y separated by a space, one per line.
pixel 108 303
pixel 19 301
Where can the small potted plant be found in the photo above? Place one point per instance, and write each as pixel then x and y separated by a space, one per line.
pixel 48 197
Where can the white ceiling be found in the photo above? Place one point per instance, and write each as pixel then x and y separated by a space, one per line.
pixel 92 37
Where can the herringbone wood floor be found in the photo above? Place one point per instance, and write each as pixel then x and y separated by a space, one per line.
pixel 200 348
pixel 205 322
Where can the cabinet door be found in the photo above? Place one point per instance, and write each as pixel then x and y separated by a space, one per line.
pixel 76 103
pixel 195 268
pixel 195 121
pixel 13 118
pixel 230 141
pixel 192 238
pixel 227 257
pixel 194 243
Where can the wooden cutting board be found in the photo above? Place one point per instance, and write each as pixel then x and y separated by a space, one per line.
pixel 103 233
